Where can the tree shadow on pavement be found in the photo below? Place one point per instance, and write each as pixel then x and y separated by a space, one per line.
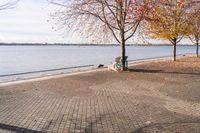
pixel 17 129
pixel 160 71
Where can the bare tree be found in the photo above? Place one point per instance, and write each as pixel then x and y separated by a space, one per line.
pixel 8 4
pixel 102 19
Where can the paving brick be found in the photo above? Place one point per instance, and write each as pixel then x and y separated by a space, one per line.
pixel 117 106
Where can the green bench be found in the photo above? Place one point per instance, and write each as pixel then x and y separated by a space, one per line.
pixel 118 62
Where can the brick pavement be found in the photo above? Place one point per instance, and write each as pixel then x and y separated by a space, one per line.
pixel 126 104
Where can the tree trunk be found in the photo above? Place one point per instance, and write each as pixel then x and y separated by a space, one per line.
pixel 122 33
pixel 123 49
pixel 174 50
pixel 197 48
pixel 123 53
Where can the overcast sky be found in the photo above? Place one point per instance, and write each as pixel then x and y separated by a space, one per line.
pixel 28 22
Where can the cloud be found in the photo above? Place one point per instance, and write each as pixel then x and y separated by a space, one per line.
pixel 29 22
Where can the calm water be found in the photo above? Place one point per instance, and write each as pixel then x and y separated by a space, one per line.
pixel 23 59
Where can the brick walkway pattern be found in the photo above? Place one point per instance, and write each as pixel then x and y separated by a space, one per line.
pixel 125 104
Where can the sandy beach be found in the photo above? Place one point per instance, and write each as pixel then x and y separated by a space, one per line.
pixel 156 96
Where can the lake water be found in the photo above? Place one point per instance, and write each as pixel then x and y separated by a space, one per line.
pixel 21 61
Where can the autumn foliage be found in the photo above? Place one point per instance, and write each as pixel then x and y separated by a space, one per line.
pixel 103 20
pixel 171 20
pixel 194 24
pixel 106 20
pixel 168 20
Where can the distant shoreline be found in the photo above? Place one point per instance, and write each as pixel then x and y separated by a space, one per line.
pixel 60 44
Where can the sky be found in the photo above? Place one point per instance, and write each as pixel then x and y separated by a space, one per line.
pixel 29 22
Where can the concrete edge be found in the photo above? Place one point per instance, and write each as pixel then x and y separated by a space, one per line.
pixel 55 76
